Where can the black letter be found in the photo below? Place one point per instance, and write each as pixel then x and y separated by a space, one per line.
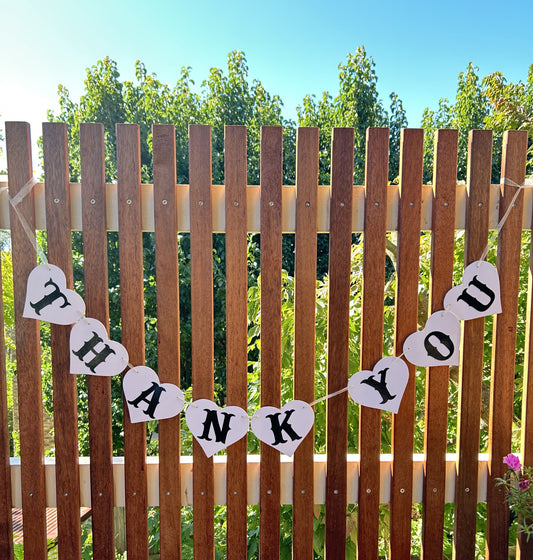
pixel 50 298
pixel 433 351
pixel 153 402
pixel 475 303
pixel 278 428
pixel 212 420
pixel 380 386
pixel 99 357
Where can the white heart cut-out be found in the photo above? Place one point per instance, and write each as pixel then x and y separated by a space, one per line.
pixel 92 352
pixel 147 398
pixel 479 293
pixel 48 299
pixel 437 344
pixel 383 387
pixel 283 429
pixel 216 428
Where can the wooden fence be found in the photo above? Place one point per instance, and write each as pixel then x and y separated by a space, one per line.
pixel 335 479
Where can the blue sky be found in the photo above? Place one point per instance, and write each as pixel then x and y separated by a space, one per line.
pixel 293 47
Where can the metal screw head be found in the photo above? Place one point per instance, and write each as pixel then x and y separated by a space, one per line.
pixel 271 203
pixel 201 203
pixel 100 494
pixel 93 201
pixel 402 490
pixel 31 494
pixel 135 493
pixel 168 493
pixel 376 203
pixel 341 204
pixel 435 490
pixel 369 490
pixel 308 204
pixel 269 491
pixel 128 201
pixel 236 203
pixel 65 494
pixel 303 491
pixel 467 490
pixel 235 492
pixel 411 204
pixel 164 202
pixel 446 204
pixel 480 204
pixel 56 200
pixel 335 491
pixel 202 493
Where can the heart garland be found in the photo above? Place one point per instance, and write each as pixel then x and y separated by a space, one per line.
pixel 283 429
pixel 383 387
pixel 215 428
pixel 147 398
pixel 48 299
pixel 93 353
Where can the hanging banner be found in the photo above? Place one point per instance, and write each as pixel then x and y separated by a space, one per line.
pixel 147 398
pixel 48 299
pixel 478 295
pixel 437 344
pixel 215 428
pixel 92 352
pixel 283 429
pixel 383 387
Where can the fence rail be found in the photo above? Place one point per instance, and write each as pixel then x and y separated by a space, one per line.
pixel 238 480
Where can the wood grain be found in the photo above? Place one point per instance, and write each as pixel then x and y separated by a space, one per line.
pixel 19 165
pixel 57 195
pixel 436 418
pixel 132 315
pixel 504 343
pixel 202 327
pixel 304 332
pixel 97 303
pixel 168 338
pixel 6 524
pixel 471 370
pixel 340 240
pixel 271 181
pixel 376 176
pixel 235 175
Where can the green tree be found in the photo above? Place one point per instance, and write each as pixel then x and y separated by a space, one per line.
pixel 469 112
pixel 358 105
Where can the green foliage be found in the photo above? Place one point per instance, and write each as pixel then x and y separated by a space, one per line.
pixel 357 105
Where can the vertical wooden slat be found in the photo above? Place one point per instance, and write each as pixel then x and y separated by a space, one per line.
pixel 27 341
pixel 132 315
pixel 442 252
pixel 271 181
pixel 525 547
pixel 235 173
pixel 97 303
pixel 376 177
pixel 168 339
pixel 504 342
pixel 340 240
pixel 411 156
pixel 304 332
pixel 6 525
pixel 471 372
pixel 57 194
pixel 202 327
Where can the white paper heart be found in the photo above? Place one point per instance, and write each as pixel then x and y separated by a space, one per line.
pixel 479 293
pixel 383 387
pixel 48 299
pixel 283 429
pixel 437 344
pixel 147 398
pixel 216 428
pixel 92 352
